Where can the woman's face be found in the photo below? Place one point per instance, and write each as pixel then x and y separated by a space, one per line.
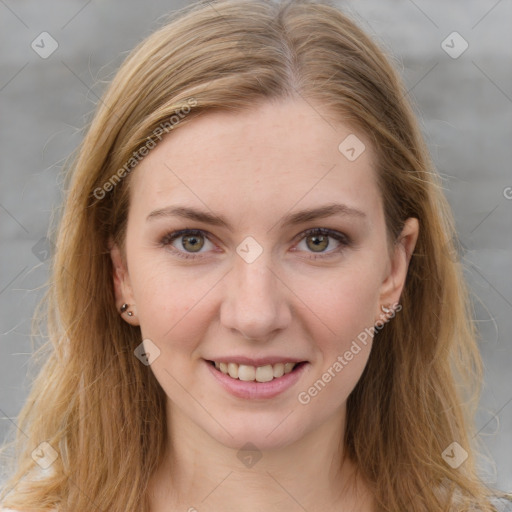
pixel 287 262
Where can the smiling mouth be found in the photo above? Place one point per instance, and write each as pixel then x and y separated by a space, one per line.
pixel 250 373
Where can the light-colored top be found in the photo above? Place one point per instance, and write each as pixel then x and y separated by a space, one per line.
pixel 503 505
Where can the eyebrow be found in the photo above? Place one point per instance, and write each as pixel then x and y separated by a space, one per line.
pixel 302 216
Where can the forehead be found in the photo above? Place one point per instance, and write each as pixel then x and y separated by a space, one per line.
pixel 270 157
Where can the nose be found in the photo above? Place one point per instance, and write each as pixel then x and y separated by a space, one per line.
pixel 256 304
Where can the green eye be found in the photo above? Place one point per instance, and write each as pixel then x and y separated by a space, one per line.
pixel 316 241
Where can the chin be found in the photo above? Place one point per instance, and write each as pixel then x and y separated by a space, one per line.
pixel 266 431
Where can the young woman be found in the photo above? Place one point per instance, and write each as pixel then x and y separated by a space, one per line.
pixel 253 303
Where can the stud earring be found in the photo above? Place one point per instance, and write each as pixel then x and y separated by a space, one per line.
pixel 386 310
pixel 123 309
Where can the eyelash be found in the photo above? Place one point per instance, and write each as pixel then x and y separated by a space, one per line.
pixel 343 239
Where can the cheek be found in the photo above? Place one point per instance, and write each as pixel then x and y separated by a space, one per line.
pixel 344 308
pixel 344 302
pixel 343 346
pixel 176 307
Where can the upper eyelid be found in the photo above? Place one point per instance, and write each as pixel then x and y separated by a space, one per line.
pixel 342 238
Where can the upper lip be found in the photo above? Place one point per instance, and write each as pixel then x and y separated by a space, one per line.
pixel 256 361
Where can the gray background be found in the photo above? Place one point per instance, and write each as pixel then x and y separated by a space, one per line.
pixel 464 103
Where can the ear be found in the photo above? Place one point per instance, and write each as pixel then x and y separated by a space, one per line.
pixel 122 286
pixel 394 281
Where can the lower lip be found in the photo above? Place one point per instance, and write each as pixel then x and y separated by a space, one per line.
pixel 256 390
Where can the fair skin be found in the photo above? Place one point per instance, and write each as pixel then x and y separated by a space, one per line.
pixel 305 297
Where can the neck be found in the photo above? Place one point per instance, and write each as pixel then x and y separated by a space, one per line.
pixel 200 474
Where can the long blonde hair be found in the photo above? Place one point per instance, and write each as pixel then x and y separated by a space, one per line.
pixel 103 412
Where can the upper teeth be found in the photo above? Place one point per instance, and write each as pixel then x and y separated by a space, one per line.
pixel 259 373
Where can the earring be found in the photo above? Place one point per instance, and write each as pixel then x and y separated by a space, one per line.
pixel 386 310
pixel 124 307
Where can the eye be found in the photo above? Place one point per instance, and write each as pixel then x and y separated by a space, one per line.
pixel 318 240
pixel 187 242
